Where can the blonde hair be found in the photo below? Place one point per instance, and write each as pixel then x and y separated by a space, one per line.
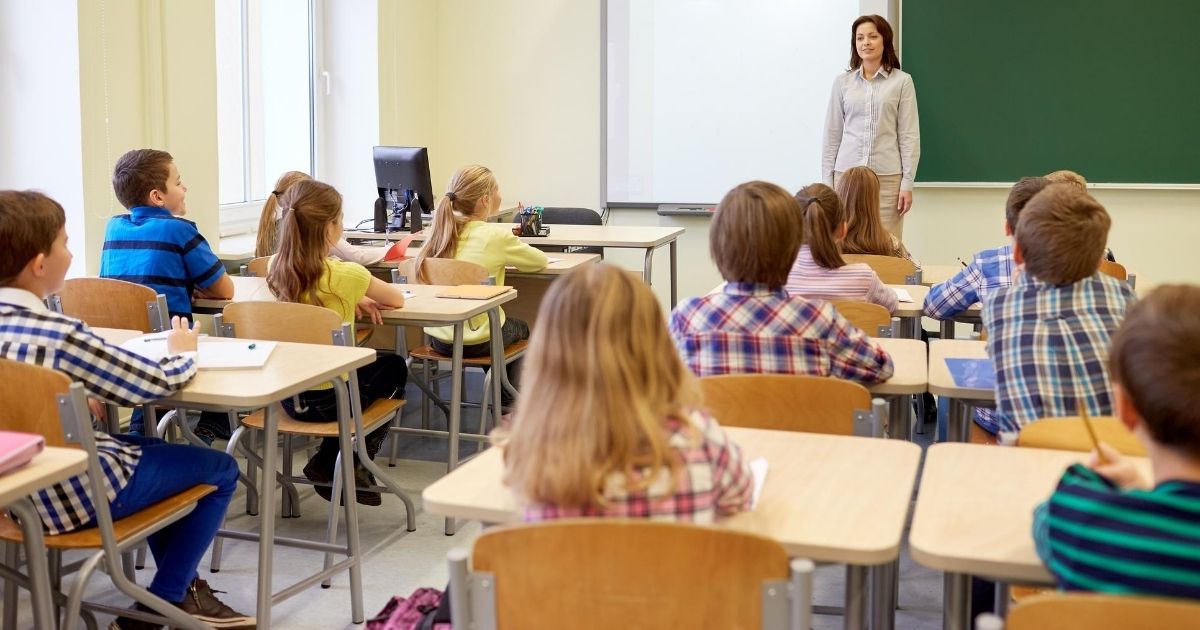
pixel 459 206
pixel 755 234
pixel 823 217
pixel 1068 177
pixel 268 223
pixel 601 378
pixel 1061 234
pixel 295 274
pixel 858 189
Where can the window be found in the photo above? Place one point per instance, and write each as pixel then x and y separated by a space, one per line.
pixel 265 100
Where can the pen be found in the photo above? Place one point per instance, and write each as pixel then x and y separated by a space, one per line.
pixel 960 261
pixel 251 346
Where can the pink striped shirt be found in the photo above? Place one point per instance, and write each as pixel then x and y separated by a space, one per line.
pixel 855 281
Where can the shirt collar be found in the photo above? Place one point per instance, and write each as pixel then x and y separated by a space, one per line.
pixel 749 288
pixel 22 298
pixel 882 73
pixel 142 212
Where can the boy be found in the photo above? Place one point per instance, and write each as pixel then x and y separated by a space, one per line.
pixel 139 471
pixel 751 325
pixel 1106 528
pixel 1049 331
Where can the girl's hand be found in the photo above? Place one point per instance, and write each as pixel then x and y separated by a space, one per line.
pixel 182 338
pixel 1116 468
pixel 904 202
pixel 368 308
pixel 98 408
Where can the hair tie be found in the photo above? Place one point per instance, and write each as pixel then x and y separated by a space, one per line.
pixel 451 196
pixel 277 193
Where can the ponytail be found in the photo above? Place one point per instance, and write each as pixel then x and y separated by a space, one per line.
pixel 458 207
pixel 295 273
pixel 269 221
pixel 823 218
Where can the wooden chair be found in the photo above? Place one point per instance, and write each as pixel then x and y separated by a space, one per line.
pixel 789 402
pixel 305 323
pixel 1092 611
pixel 257 267
pixel 1114 269
pixel 890 269
pixel 600 573
pixel 109 303
pixel 1069 434
pixel 871 318
pixel 32 399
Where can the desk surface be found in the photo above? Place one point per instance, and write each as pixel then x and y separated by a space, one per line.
pixel 937 274
pixel 911 374
pixel 49 467
pixel 823 499
pixel 561 263
pixel 236 248
pixel 571 236
pixel 941 383
pixel 974 510
pixel 913 308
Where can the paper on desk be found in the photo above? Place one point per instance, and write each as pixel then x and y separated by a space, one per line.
pixel 210 354
pixel 549 261
pixel 902 295
pixel 758 468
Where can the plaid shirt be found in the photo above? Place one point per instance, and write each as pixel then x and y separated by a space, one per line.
pixel 991 269
pixel 1050 346
pixel 712 480
pixel 32 334
pixel 752 329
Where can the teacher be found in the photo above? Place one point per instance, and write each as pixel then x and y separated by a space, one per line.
pixel 872 120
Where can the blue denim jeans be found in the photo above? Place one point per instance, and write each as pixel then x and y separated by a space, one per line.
pixel 163 471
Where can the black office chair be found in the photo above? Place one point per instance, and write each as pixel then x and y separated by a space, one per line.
pixel 571 216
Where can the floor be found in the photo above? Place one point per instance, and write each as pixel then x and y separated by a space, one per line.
pixel 397 561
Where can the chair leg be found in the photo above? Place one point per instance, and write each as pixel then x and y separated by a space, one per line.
pixel 286 508
pixel 409 510
pixel 486 402
pixel 252 474
pixel 140 563
pixel 395 441
pixel 89 620
pixel 11 559
pixel 332 520
pixel 75 600
pixel 127 566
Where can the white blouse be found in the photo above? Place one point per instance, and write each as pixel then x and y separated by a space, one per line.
pixel 872 123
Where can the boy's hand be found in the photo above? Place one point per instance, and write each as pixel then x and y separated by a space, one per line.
pixel 182 338
pixel 367 307
pixel 1116 468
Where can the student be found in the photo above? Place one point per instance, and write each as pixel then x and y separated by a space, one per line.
pixel 303 272
pixel 858 189
pixel 751 325
pixel 609 423
pixel 460 231
pixel 1049 332
pixel 140 471
pixel 1071 177
pixel 155 246
pixel 820 273
pixel 990 269
pixel 267 242
pixel 1106 528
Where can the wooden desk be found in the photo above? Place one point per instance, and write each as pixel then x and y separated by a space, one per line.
pixel 824 498
pixel 937 274
pixel 49 467
pixel 648 238
pixel 910 375
pixel 974 515
pixel 235 250
pixel 561 263
pixel 941 383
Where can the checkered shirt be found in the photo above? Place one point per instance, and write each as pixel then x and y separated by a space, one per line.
pixel 1050 346
pixel 31 334
pixel 752 329
pixel 991 269
pixel 713 480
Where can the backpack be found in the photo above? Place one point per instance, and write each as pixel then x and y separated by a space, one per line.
pixel 424 609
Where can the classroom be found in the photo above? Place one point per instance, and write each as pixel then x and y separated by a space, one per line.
pixel 545 94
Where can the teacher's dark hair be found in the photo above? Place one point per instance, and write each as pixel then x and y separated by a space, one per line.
pixel 890 60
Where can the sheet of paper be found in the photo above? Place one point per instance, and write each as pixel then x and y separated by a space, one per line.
pixel 549 261
pixel 902 295
pixel 211 354
pixel 758 468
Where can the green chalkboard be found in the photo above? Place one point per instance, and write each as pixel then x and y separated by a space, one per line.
pixel 1008 88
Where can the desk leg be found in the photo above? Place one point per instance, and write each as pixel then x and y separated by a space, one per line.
pixel 900 418
pixel 883 601
pixel 350 415
pixel 947 329
pixel 35 558
pixel 956 419
pixel 956 602
pixel 456 373
pixel 648 267
pixel 674 275
pixel 856 598
pixel 266 511
pixel 499 370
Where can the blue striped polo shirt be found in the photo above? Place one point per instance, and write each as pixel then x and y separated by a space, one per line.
pixel 152 247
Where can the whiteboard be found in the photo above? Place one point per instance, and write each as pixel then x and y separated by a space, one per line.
pixel 702 95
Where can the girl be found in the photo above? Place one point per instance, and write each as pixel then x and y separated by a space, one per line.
pixel 460 231
pixel 268 228
pixel 819 271
pixel 610 424
pixel 303 272
pixel 858 189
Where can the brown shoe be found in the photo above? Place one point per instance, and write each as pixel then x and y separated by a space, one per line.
pixel 201 603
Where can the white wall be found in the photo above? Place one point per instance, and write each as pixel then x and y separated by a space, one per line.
pixel 40 127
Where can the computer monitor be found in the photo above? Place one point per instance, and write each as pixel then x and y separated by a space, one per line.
pixel 402 176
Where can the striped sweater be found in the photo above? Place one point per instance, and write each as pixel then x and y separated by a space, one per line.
pixel 855 281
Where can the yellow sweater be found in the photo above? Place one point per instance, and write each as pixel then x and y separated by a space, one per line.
pixel 493 246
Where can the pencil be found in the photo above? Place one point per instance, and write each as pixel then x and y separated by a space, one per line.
pixel 1087 424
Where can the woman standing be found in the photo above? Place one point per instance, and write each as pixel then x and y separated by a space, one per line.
pixel 872 120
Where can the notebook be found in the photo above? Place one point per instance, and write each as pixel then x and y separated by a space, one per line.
pixel 973 373
pixel 473 291
pixel 18 449
pixel 902 295
pixel 211 354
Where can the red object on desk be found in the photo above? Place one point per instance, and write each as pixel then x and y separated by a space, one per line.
pixel 399 251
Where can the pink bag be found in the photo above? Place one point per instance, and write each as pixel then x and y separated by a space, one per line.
pixel 17 449
pixel 415 612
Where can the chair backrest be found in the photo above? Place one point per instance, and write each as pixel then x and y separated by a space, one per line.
pixel 608 573
pixel 1091 611
pixel 890 269
pixel 27 399
pixel 444 271
pixel 109 303
pixel 1069 434
pixel 1114 269
pixel 257 267
pixel 282 321
pixel 875 320
pixel 787 402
